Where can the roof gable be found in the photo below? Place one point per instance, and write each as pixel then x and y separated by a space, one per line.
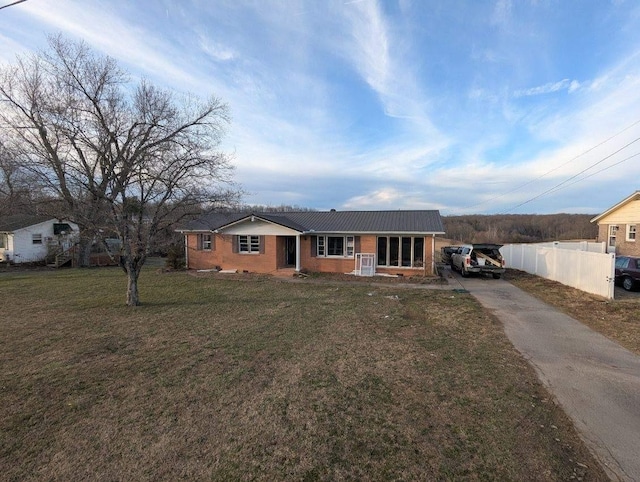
pixel 633 197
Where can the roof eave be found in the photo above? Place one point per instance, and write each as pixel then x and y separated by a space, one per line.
pixel 617 206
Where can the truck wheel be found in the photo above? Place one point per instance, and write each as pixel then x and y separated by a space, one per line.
pixel 496 275
pixel 463 272
pixel 627 284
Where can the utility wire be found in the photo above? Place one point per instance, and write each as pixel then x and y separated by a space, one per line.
pixel 14 3
pixel 600 170
pixel 556 168
pixel 561 185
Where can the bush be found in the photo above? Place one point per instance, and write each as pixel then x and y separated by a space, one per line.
pixel 175 256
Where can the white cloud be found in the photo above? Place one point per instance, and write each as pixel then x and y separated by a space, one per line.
pixel 551 87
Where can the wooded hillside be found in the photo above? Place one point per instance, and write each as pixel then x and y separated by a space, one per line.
pixel 519 228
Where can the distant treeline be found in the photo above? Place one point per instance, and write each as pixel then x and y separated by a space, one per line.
pixel 519 228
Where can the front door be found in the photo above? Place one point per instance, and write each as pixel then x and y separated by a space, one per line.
pixel 290 255
pixel 611 243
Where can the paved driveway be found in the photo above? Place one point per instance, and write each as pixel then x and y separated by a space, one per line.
pixel 622 294
pixel 596 381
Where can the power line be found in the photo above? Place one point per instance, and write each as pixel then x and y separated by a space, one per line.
pixel 557 167
pixel 14 3
pixel 558 186
pixel 601 170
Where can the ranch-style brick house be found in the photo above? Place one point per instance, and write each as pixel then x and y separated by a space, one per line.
pixel 618 226
pixel 359 242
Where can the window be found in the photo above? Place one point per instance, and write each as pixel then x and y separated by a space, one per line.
pixel 622 262
pixel 406 251
pixel 36 238
pixel 418 252
pixel 613 229
pixel 336 246
pixel 3 241
pixel 382 251
pixel 321 251
pixel 401 251
pixel 249 244
pixel 350 246
pixel 631 232
pixel 204 242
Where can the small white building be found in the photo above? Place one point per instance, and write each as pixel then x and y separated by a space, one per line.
pixel 29 239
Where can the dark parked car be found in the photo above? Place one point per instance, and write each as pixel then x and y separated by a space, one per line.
pixel 627 272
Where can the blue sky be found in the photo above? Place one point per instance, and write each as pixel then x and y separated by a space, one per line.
pixel 463 106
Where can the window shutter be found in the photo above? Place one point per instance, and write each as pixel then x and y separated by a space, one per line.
pixel 314 246
pixel 261 244
pixel 199 242
pixel 357 244
pixel 234 243
pixel 213 241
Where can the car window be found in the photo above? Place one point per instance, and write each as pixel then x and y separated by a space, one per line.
pixel 465 251
pixel 622 262
pixel 637 264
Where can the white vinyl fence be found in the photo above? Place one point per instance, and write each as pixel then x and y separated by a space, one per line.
pixel 587 268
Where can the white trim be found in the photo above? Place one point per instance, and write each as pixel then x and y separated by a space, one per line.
pixel 250 244
pixel 629 232
pixel 322 244
pixel 298 253
pixel 619 205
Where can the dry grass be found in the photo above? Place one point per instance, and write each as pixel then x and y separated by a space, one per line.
pixel 262 380
pixel 619 319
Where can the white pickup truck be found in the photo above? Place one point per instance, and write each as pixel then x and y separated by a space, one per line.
pixel 478 258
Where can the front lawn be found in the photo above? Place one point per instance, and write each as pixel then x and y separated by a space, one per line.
pixel 258 379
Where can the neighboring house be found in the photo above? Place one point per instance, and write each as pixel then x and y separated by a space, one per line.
pixel 28 239
pixel 392 242
pixel 618 226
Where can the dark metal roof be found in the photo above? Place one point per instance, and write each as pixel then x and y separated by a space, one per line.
pixel 335 221
pixel 9 224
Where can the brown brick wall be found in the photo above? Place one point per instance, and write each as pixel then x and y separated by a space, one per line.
pixel 222 255
pixel 623 247
pixel 274 256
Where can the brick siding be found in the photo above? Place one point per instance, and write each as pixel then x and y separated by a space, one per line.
pixel 274 257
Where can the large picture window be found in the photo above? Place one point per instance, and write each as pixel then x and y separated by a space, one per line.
pixel 401 251
pixel 338 246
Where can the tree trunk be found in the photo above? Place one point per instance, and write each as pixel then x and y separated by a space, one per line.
pixel 133 298
pixel 84 252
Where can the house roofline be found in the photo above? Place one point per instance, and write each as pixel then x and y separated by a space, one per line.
pixel 313 233
pixel 626 200
pixel 253 216
pixel 413 233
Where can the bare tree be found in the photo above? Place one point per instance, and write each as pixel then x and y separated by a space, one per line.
pixel 16 186
pixel 126 159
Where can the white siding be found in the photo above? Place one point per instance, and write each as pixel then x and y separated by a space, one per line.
pixel 259 227
pixel 24 251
